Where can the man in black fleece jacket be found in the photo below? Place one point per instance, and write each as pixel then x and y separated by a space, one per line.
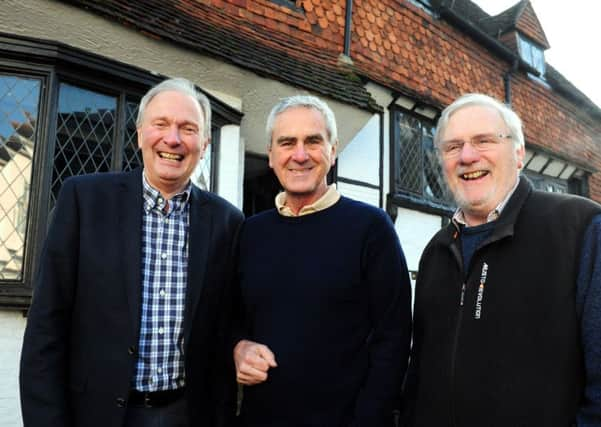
pixel 325 293
pixel 508 295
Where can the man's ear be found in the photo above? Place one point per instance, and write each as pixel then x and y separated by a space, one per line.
pixel 139 133
pixel 520 153
pixel 334 152
pixel 205 145
pixel 269 155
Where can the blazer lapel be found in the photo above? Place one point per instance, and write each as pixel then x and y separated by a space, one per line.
pixel 198 255
pixel 130 231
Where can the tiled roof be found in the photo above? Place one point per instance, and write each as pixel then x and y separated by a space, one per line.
pixel 268 50
pixel 568 90
pixel 504 21
pixel 201 28
pixel 507 20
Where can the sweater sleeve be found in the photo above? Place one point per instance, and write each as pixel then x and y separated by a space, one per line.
pixel 588 303
pixel 387 277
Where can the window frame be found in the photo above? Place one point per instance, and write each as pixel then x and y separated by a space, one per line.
pixel 532 53
pixel 403 197
pixel 289 4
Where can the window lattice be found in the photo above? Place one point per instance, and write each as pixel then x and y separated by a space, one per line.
pixel 132 157
pixel 202 174
pixel 84 134
pixel 418 170
pixel 19 100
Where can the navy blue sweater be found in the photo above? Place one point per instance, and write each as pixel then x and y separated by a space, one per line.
pixel 329 294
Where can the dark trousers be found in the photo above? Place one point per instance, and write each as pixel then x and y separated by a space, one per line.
pixel 172 415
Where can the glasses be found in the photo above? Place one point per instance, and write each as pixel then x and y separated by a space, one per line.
pixel 480 143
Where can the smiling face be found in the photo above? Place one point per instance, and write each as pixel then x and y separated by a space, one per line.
pixel 170 136
pixel 479 181
pixel 301 155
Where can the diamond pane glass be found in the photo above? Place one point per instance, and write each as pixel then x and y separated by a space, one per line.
pixel 19 101
pixel 202 174
pixel 409 172
pixel 85 130
pixel 435 187
pixel 419 170
pixel 132 157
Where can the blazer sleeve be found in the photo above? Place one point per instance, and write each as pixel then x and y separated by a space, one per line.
pixel 390 313
pixel 44 373
pixel 225 375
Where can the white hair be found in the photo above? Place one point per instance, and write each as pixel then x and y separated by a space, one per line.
pixel 306 101
pixel 185 87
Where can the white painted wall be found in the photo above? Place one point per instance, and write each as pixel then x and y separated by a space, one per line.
pixel 230 172
pixel 360 159
pixel 415 229
pixel 358 192
pixel 11 338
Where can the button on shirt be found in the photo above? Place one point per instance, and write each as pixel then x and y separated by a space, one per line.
pixel 165 224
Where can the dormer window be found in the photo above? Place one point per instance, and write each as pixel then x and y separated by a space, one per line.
pixel 532 53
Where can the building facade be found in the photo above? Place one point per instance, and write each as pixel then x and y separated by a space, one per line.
pixel 72 72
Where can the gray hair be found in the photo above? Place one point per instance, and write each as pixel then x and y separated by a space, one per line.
pixel 185 87
pixel 511 119
pixel 306 101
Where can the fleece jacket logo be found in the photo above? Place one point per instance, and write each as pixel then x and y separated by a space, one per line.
pixel 480 296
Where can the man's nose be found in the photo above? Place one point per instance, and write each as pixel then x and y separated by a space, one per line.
pixel 468 153
pixel 300 153
pixel 172 136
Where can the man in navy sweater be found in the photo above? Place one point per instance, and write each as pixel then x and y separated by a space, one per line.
pixel 325 293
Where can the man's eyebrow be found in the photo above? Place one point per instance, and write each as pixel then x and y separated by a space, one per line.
pixel 285 139
pixel 317 136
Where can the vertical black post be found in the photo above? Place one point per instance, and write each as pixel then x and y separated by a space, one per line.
pixel 347 27
pixel 507 81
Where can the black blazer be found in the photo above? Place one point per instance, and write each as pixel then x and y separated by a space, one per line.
pixel 79 350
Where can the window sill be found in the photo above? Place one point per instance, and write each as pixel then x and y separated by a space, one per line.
pixel 411 201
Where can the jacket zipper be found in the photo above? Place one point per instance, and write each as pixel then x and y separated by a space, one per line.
pixel 454 352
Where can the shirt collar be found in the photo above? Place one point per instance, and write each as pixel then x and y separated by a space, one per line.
pixel 330 197
pixel 459 217
pixel 154 199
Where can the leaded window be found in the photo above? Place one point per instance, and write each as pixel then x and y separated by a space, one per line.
pixel 132 157
pixel 85 131
pixel 19 106
pixel 417 171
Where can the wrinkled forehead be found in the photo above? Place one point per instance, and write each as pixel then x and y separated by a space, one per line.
pixel 300 119
pixel 174 103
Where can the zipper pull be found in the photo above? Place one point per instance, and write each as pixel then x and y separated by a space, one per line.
pixel 462 295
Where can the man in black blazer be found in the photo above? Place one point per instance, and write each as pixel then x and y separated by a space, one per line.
pixel 127 325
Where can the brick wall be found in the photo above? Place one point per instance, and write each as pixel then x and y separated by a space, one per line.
pixel 403 47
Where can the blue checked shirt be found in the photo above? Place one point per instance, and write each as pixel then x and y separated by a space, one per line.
pixel 160 364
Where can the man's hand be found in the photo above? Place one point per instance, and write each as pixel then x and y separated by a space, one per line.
pixel 253 360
